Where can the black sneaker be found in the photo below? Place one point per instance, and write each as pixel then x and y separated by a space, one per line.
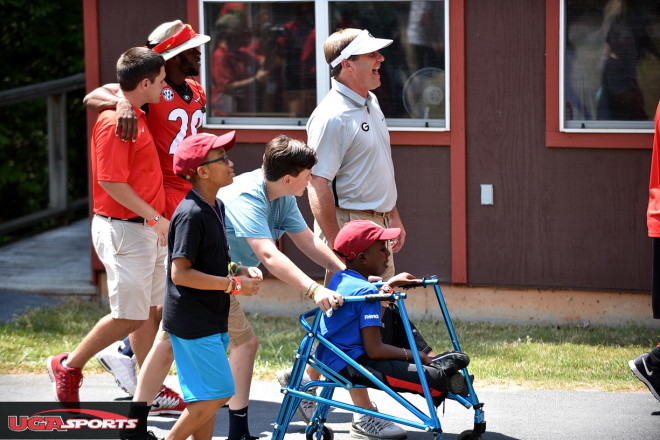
pixel 457 384
pixel 451 362
pixel 647 374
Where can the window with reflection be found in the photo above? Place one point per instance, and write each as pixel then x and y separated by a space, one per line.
pixel 611 64
pixel 261 67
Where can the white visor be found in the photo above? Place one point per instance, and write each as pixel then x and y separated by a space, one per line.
pixel 363 43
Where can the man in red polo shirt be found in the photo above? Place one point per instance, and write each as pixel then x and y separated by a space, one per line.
pixel 177 115
pixel 128 230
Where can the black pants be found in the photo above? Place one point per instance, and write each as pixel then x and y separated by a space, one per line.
pixel 392 331
pixel 655 278
pixel 399 375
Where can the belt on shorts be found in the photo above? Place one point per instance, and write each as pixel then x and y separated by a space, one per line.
pixel 370 212
pixel 130 220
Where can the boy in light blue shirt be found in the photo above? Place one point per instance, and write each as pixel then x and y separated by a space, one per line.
pixel 252 215
pixel 261 207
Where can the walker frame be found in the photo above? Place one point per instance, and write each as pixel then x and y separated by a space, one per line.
pixel 294 393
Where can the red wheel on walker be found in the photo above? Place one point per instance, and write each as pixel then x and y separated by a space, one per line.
pixel 327 434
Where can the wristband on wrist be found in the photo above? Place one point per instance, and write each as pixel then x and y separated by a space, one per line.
pixel 233 268
pixel 237 286
pixel 308 292
pixel 231 285
pixel 154 220
pixel 314 291
pixel 405 352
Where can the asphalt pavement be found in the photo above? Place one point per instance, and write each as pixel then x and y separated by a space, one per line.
pixel 510 414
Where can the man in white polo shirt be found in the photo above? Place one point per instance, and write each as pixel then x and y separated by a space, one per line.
pixel 354 176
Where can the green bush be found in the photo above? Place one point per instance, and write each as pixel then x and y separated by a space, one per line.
pixel 42 40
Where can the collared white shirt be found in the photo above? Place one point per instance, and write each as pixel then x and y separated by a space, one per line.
pixel 351 140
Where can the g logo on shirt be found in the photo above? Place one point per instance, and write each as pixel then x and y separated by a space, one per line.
pixel 365 126
pixel 168 94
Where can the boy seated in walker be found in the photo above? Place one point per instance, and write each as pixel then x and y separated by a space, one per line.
pixel 196 307
pixel 355 328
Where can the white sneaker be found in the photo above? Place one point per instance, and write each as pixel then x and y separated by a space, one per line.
pixel 307 407
pixel 373 428
pixel 120 366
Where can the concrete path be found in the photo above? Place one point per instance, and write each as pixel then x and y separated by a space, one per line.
pixel 510 414
pixel 55 262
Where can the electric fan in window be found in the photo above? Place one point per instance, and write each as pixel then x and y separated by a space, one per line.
pixel 423 94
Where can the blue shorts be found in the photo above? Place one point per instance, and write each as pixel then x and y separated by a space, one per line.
pixel 203 368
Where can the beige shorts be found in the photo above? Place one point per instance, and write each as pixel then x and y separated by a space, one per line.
pixel 240 330
pixel 347 215
pixel 134 264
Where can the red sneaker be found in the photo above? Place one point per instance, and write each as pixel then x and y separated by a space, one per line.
pixel 167 401
pixel 66 381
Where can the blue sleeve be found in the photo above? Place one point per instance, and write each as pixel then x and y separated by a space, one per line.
pixel 369 312
pixel 248 217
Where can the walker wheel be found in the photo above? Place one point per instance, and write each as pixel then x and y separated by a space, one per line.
pixel 327 434
pixel 467 435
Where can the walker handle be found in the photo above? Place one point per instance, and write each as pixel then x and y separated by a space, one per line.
pixel 431 281
pixel 374 297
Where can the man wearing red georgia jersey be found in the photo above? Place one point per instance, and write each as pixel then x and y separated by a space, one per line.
pixel 178 115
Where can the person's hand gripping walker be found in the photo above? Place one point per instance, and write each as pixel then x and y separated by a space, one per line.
pixel 401 279
pixel 328 300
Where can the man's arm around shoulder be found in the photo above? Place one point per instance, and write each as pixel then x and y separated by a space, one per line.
pixel 106 97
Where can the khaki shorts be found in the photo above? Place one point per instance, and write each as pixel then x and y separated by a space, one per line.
pixel 240 330
pixel 347 215
pixel 134 263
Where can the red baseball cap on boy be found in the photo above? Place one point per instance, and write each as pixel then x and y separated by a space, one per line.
pixel 190 153
pixel 356 236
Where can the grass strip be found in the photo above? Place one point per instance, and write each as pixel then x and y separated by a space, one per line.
pixel 506 356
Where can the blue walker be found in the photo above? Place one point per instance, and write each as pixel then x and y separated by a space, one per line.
pixel 294 393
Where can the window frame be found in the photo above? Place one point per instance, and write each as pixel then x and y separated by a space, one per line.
pixel 555 134
pixel 454 138
pixel 323 84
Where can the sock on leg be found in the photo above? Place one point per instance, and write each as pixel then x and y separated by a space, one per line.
pixel 238 424
pixel 126 350
pixel 139 411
